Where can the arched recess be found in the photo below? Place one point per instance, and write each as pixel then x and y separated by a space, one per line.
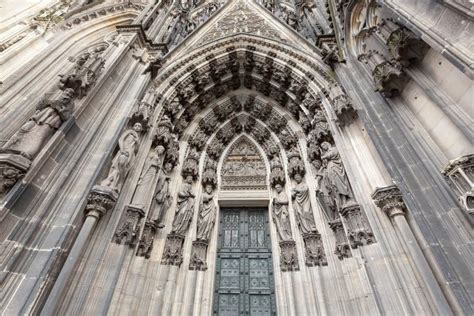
pixel 286 95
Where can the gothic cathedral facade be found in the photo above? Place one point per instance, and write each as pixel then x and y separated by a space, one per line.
pixel 237 157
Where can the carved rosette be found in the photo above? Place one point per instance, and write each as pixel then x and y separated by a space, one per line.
pixel 358 228
pixel 129 227
pixel 460 175
pixel 314 250
pixel 173 252
pixel 100 201
pixel 198 259
pixel 389 199
pixel 288 256
pixel 13 167
pixel 343 249
pixel 145 245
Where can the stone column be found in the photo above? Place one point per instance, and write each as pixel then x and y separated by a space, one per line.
pixel 100 201
pixel 389 200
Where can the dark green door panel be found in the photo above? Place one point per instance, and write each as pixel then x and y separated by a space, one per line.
pixel 244 271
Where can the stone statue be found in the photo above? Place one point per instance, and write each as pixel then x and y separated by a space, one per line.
pixel 162 197
pixel 302 206
pixel 150 170
pixel 334 175
pixel 207 214
pixel 128 144
pixel 184 208
pixel 49 116
pixel 280 214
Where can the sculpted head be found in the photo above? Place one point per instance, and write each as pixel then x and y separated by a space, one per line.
pixel 160 149
pixel 325 146
pixel 298 178
pixel 278 188
pixel 316 163
pixel 209 188
pixel 168 167
pixel 68 93
pixel 137 127
pixel 189 179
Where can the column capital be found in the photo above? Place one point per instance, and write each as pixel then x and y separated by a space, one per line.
pixel 100 201
pixel 389 199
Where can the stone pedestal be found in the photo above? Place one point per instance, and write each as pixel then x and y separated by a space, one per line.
pixel 12 168
pixel 288 256
pixel 198 256
pixel 145 246
pixel 173 252
pixel 314 250
pixel 342 249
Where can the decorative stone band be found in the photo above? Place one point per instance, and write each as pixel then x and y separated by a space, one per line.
pixel 342 249
pixel 173 252
pixel 288 256
pixel 314 250
pixel 100 201
pixel 460 175
pixel 199 256
pixel 389 199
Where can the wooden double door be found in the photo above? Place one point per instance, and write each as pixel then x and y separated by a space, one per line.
pixel 244 271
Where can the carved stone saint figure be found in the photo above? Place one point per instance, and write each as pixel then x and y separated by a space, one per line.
pixel 302 206
pixel 149 172
pixel 184 208
pixel 128 144
pixel 47 119
pixel 280 214
pixel 207 214
pixel 162 197
pixel 334 175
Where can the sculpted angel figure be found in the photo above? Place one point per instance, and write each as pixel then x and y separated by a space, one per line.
pixel 121 164
pixel 184 208
pixel 280 214
pixel 207 214
pixel 163 197
pixel 335 177
pixel 302 206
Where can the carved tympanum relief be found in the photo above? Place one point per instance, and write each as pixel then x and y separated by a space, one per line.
pixel 243 167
